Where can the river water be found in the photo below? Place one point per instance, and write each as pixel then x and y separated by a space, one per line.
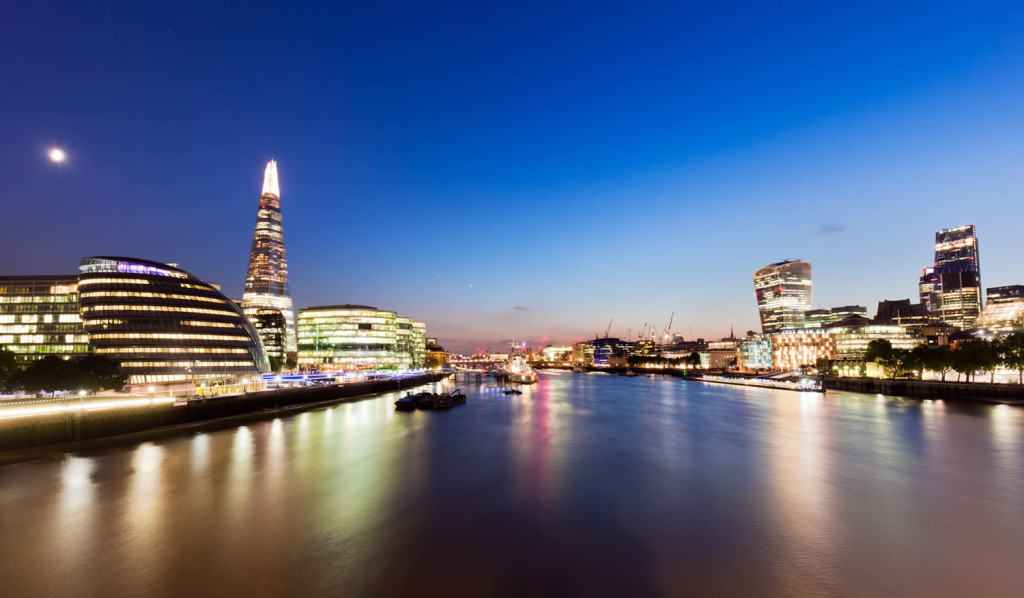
pixel 586 485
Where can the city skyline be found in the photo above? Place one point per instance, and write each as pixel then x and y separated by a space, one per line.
pixel 501 195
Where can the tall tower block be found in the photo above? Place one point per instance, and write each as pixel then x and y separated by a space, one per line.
pixel 266 283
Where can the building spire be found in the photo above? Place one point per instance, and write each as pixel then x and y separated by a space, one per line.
pixel 270 180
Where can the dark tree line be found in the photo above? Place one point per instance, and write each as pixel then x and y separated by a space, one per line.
pixel 966 358
pixel 51 373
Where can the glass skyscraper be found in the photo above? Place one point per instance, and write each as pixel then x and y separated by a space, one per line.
pixel 266 283
pixel 957 298
pixel 783 292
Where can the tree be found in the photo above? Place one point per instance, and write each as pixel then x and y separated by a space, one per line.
pixel 972 355
pixel 991 356
pixel 433 363
pixel 912 360
pixel 100 372
pixel 1012 354
pixel 881 352
pixel 693 359
pixel 50 374
pixel 937 358
pixel 8 369
pixel 275 363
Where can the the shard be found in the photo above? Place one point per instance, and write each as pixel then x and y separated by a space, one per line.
pixel 266 284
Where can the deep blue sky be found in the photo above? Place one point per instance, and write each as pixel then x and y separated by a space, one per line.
pixel 521 169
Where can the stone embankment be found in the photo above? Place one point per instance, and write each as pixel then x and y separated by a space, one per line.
pixel 1012 394
pixel 76 424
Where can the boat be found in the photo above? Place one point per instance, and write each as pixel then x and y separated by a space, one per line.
pixel 579 369
pixel 411 401
pixel 517 370
pixel 512 391
pixel 428 400
pixel 450 400
pixel 629 372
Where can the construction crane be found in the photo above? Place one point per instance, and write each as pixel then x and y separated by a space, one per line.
pixel 669 329
pixel 609 328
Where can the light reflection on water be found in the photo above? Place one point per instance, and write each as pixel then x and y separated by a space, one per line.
pixel 582 485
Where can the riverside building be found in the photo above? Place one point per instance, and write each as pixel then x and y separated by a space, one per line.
pixel 794 349
pixel 1004 310
pixel 266 282
pixel 39 317
pixel 358 338
pixel 165 326
pixel 783 291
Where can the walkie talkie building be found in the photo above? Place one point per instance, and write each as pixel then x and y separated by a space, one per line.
pixel 266 283
pixel 783 291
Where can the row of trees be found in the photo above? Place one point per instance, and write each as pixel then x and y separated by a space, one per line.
pixel 89 373
pixel 966 358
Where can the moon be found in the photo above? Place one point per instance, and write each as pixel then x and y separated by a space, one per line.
pixel 57 155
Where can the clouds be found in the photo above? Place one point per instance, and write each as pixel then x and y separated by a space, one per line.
pixel 519 308
pixel 828 230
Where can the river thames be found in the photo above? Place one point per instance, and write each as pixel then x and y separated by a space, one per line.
pixel 585 485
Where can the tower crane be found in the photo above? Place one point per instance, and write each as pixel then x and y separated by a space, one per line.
pixel 609 328
pixel 669 329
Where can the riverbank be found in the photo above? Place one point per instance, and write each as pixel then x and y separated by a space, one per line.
pixel 65 429
pixel 1009 394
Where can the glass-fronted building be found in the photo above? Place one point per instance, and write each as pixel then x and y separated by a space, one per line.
pixel 793 349
pixel 419 345
pixel 266 281
pixel 355 338
pixel 783 292
pixel 39 317
pixel 164 325
pixel 851 343
pixel 756 352
pixel 273 330
pixel 957 299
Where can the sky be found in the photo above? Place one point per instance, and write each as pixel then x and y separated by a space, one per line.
pixel 527 170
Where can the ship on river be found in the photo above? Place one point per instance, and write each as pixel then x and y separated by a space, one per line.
pixel 517 370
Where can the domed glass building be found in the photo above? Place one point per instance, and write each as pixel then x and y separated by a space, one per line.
pixel 165 326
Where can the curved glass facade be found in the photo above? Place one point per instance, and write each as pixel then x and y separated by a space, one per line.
pixel 164 325
pixel 783 292
pixel 339 338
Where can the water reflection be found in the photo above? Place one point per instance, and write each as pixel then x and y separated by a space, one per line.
pixel 583 485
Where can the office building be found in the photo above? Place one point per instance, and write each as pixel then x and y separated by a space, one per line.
pixel 419 345
pixel 795 349
pixel 273 331
pixel 266 282
pixel 164 325
pixel 756 352
pixel 927 288
pixel 1007 294
pixel 820 318
pixel 901 312
pixel 39 317
pixel 358 338
pixel 851 342
pixel 957 298
pixel 1004 310
pixel 724 353
pixel 435 353
pixel 783 293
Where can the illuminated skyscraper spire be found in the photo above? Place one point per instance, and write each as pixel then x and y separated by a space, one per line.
pixel 266 283
pixel 270 180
